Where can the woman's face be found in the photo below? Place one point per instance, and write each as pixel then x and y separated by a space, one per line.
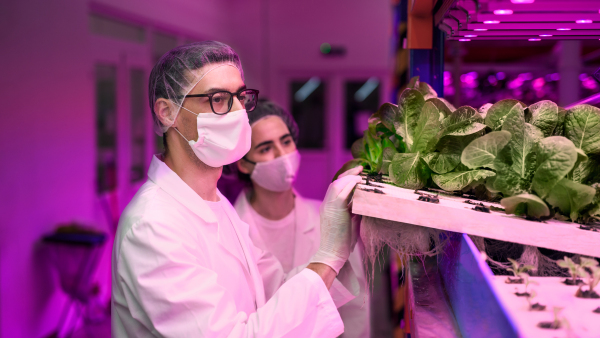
pixel 271 138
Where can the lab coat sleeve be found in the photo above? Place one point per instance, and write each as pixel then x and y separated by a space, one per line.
pixel 168 289
pixel 270 270
pixel 344 288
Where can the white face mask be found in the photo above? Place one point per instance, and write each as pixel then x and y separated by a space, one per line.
pixel 222 139
pixel 278 174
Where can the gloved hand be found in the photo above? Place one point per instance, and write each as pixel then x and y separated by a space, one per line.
pixel 337 234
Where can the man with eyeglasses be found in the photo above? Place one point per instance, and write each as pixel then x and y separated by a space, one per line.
pixel 183 264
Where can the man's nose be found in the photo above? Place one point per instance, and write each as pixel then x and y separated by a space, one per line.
pixel 237 105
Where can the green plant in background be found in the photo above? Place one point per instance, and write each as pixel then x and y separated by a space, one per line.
pixel 590 267
pixel 527 281
pixel 518 269
pixel 541 159
pixel 575 270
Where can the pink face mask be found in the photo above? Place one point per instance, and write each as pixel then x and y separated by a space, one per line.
pixel 278 174
pixel 222 139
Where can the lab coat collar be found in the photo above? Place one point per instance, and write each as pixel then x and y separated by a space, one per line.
pixel 172 184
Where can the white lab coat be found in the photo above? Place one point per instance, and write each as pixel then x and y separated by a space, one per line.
pixel 177 272
pixel 355 314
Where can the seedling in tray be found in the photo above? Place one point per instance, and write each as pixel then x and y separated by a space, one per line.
pixel 534 306
pixel 590 265
pixel 517 270
pixel 556 323
pixel 525 277
pixel 575 270
pixel 427 197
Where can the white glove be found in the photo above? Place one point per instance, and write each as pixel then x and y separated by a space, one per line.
pixel 337 234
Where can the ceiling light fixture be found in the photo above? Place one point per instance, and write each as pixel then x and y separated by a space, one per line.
pixel 545 35
pixel 480 29
pixel 470 36
pixel 563 29
pixel 491 21
pixel 535 39
pixel 503 11
pixel 522 1
pixel 583 21
pixel 464 39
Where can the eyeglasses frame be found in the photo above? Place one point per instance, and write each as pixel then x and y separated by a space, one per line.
pixel 229 104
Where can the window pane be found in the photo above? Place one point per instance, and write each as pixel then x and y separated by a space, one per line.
pixel 115 29
pixel 138 125
pixel 308 109
pixel 162 43
pixel 106 127
pixel 362 100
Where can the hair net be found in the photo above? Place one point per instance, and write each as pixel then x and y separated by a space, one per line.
pixel 266 108
pixel 178 71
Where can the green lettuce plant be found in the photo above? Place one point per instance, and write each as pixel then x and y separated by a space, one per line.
pixel 542 160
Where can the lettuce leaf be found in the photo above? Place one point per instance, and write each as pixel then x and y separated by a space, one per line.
pixel 497 112
pixel 560 125
pixel 582 127
pixel 444 107
pixel 386 159
pixel 387 114
pixel 409 108
pixel 526 204
pixel 464 121
pixel 556 156
pixel 458 180
pixel 482 151
pixel 426 128
pixel 570 197
pixel 524 138
pixel 358 148
pixel 544 115
pixel 407 170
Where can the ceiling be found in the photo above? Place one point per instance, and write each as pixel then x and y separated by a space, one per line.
pixel 525 20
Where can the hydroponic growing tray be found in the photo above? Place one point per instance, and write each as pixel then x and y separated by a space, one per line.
pixel 457 295
pixel 452 213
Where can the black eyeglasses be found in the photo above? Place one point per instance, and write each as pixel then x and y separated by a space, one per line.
pixel 222 101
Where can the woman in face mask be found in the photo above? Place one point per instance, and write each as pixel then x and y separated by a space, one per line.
pixel 280 220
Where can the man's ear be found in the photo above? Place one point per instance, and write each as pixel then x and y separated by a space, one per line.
pixel 244 166
pixel 165 111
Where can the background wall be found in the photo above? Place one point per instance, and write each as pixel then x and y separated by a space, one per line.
pixel 48 143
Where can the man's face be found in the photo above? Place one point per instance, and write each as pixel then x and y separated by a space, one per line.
pixel 221 78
